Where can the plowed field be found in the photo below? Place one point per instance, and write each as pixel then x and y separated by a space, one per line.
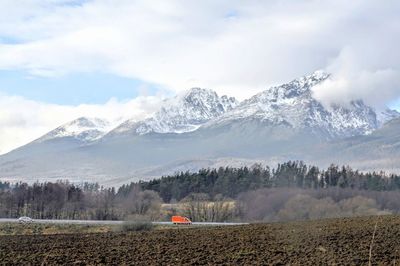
pixel 335 241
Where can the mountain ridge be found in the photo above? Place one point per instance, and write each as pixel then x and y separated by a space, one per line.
pixel 291 104
pixel 183 113
pixel 84 129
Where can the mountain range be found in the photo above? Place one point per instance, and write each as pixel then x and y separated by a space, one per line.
pixel 199 128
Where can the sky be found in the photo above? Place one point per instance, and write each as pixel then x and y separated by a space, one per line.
pixel 63 59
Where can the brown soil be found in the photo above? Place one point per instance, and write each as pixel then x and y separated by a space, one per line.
pixel 325 242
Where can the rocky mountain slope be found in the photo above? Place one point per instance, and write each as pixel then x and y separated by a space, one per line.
pixel 293 105
pixel 183 113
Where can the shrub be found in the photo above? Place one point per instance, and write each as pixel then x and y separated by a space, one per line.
pixel 136 226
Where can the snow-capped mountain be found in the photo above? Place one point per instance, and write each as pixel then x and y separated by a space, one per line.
pixel 281 123
pixel 83 129
pixel 293 105
pixel 387 115
pixel 183 113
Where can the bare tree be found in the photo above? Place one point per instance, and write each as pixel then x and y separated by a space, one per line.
pixel 198 207
pixel 143 203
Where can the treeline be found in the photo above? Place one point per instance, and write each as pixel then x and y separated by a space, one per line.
pixel 229 182
pixel 62 200
pixel 224 194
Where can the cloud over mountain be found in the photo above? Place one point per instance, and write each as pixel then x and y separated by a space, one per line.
pixel 23 120
pixel 234 47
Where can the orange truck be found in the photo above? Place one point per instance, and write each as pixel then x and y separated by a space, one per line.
pixel 180 220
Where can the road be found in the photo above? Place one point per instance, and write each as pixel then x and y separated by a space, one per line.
pixel 102 222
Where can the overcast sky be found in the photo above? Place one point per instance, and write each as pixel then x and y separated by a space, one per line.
pixel 61 59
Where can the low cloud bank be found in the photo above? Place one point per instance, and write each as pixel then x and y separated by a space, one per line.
pixel 23 120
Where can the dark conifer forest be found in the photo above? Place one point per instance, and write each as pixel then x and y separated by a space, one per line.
pixel 293 174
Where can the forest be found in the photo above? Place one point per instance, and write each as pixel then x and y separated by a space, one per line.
pixel 293 174
pixel 291 191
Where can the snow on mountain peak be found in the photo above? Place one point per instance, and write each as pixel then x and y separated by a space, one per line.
pixel 184 113
pixel 83 129
pixel 204 104
pixel 293 89
pixel 387 115
pixel 84 122
pixel 293 104
pixel 318 75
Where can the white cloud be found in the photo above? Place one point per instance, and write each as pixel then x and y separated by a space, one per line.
pixel 376 88
pixel 235 47
pixel 22 120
